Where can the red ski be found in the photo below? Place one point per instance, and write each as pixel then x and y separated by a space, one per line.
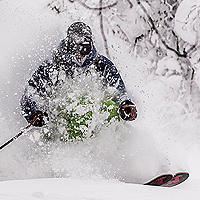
pixel 160 180
pixel 168 180
pixel 177 179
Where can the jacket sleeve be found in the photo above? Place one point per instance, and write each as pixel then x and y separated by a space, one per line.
pixel 45 81
pixel 112 78
pixel 37 91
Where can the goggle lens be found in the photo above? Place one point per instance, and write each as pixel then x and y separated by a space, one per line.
pixel 86 49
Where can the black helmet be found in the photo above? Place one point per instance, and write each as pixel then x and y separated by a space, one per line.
pixel 79 32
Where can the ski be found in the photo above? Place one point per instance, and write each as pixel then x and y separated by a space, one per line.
pixel 168 180
pixel 160 180
pixel 177 179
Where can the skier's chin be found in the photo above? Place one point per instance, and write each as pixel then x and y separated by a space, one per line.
pixel 80 59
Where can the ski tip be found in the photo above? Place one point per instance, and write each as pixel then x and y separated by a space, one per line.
pixel 177 179
pixel 184 174
pixel 168 180
pixel 160 180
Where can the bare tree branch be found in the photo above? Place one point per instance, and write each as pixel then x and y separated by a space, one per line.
pixel 157 32
pixel 102 29
pixel 60 8
pixel 100 7
pixel 123 34
pixel 130 3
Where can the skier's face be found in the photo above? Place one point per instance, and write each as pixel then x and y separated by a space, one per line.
pixel 80 50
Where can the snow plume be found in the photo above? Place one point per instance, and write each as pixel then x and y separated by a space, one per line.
pixel 25 42
pixel 102 152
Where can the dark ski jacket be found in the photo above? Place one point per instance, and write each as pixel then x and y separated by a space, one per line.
pixel 49 76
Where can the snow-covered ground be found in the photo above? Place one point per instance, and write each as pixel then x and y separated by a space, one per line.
pixel 164 139
pixel 76 189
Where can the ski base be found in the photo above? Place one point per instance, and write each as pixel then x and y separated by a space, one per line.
pixel 168 180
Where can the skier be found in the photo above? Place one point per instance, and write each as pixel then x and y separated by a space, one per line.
pixel 76 51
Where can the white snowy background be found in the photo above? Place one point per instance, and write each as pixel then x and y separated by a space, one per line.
pixel 164 139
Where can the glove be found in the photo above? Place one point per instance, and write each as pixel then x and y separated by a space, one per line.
pixel 128 111
pixel 37 118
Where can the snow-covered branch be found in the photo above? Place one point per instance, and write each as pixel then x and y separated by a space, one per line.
pixel 102 29
pixel 151 21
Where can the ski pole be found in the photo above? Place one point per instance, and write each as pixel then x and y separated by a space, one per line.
pixel 15 137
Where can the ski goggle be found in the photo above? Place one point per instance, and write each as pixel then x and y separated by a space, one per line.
pixel 83 48
pixel 86 49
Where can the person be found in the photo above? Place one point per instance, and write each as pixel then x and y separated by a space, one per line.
pixel 76 51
